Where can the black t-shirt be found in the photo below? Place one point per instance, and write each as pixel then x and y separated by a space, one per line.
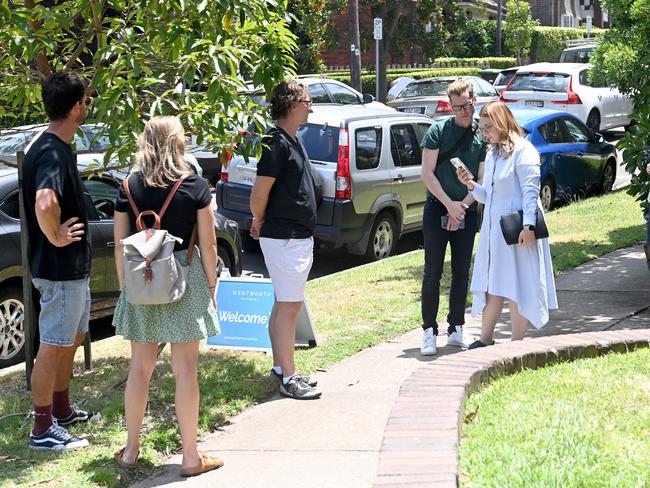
pixel 291 209
pixel 51 164
pixel 180 216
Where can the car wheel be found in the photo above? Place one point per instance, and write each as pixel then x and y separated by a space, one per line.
pixel 223 259
pixel 248 244
pixel 609 175
pixel 593 120
pixel 547 194
pixel 383 238
pixel 12 330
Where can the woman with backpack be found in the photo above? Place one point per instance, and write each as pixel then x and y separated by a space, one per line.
pixel 161 172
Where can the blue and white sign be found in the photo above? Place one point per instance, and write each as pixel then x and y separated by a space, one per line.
pixel 244 308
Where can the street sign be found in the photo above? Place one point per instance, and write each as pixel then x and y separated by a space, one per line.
pixel 378 29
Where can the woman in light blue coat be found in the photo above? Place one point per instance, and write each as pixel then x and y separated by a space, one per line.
pixel 521 273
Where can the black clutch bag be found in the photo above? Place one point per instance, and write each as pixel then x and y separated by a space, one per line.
pixel 512 223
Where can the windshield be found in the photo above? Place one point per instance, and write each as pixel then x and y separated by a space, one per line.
pixel 321 142
pixel 577 55
pixel 434 88
pixel 549 82
pixel 504 78
pixel 14 141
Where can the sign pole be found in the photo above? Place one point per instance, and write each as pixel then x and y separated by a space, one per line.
pixel 378 36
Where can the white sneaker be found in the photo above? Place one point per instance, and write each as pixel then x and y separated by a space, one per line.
pixel 459 339
pixel 428 343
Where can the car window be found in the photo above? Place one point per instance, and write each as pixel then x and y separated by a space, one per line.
pixel 576 131
pixel 555 132
pixel 10 206
pixel 342 95
pixel 320 141
pixel 103 194
pixel 404 146
pixel 551 82
pixel 483 89
pixel 504 78
pixel 94 139
pixel 431 88
pixel 14 141
pixel 420 131
pixel 318 94
pixel 367 147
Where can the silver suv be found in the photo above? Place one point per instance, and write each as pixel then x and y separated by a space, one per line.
pixel 369 161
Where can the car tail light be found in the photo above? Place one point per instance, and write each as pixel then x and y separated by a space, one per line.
pixel 443 107
pixel 343 185
pixel 572 97
pixel 501 97
pixel 224 174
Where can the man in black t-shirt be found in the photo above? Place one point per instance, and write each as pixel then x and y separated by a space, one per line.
pixel 283 204
pixel 59 257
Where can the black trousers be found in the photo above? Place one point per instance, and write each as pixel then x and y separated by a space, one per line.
pixel 435 245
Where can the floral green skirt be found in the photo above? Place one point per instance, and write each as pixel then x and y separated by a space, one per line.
pixel 191 318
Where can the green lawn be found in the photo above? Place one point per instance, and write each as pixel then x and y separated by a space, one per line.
pixel 580 424
pixel 352 310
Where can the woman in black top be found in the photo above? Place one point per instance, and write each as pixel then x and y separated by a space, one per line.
pixel 160 164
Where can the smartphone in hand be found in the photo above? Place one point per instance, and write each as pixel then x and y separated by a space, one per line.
pixel 444 222
pixel 458 164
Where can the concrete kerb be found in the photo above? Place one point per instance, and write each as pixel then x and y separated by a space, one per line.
pixel 428 456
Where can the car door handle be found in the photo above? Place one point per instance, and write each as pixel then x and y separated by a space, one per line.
pixel 399 178
pixel 580 153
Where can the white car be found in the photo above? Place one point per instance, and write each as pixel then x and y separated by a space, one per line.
pixel 566 87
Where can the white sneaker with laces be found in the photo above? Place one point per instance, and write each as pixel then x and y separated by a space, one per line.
pixel 459 339
pixel 428 347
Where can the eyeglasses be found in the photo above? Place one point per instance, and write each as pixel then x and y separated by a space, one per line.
pixel 486 128
pixel 88 100
pixel 458 108
pixel 306 102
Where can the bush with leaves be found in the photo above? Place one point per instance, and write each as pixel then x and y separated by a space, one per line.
pixel 147 58
pixel 547 43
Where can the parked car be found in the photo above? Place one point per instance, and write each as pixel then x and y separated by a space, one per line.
pixel 429 96
pixel 104 288
pixel 503 78
pixel 578 52
pixel 574 159
pixel 369 161
pixel 567 87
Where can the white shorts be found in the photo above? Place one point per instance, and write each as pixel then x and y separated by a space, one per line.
pixel 288 262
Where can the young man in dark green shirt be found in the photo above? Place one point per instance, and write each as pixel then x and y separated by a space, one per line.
pixel 449 214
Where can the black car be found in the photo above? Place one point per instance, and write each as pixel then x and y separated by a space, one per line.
pixel 104 287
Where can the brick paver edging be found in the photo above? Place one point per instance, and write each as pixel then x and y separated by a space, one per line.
pixel 420 444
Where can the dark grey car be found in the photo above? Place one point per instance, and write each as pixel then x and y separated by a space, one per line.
pixel 103 278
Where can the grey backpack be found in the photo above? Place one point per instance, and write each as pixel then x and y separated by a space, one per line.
pixel 152 274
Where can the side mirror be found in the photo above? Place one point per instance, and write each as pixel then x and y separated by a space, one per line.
pixel 368 98
pixel 598 138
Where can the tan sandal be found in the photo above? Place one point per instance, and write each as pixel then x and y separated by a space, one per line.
pixel 118 459
pixel 206 463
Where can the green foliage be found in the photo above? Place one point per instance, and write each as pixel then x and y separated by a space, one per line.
pixel 569 424
pixel 310 24
pixel 477 39
pixel 136 53
pixel 548 42
pixel 518 28
pixel 493 62
pixel 623 58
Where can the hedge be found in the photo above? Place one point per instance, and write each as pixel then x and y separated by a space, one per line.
pixel 492 62
pixel 369 85
pixel 548 42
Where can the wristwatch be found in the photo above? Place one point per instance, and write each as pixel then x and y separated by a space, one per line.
pixel 529 227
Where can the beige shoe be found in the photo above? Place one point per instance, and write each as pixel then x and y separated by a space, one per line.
pixel 118 459
pixel 206 463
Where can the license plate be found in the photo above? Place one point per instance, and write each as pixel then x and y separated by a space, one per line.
pixel 413 110
pixel 535 103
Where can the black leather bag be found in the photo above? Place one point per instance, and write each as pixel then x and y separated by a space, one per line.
pixel 512 223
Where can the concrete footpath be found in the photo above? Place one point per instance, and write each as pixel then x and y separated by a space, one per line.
pixel 336 441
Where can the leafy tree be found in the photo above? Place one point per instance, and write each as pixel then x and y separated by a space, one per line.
pixel 146 58
pixel 518 28
pixel 310 23
pixel 623 58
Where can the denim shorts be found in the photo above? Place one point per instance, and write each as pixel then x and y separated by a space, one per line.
pixel 65 310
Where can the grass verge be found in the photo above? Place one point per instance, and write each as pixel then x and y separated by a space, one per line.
pixel 352 310
pixel 559 426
